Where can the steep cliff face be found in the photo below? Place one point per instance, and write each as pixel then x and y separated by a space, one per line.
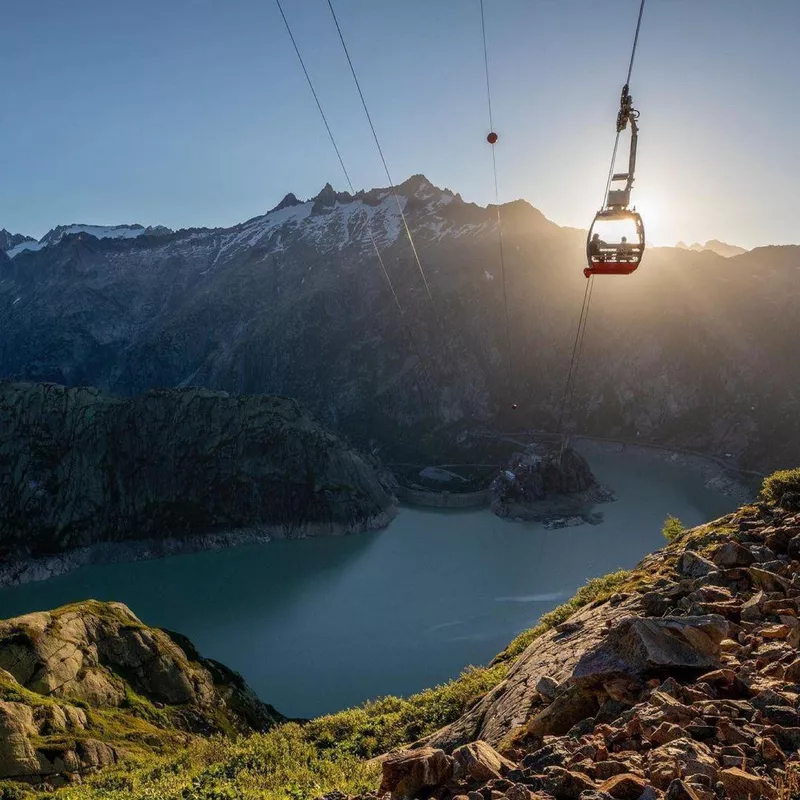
pixel 89 684
pixel 78 467
pixel 295 303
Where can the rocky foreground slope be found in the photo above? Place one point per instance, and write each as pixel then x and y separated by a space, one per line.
pixel 79 468
pixel 684 684
pixel 88 685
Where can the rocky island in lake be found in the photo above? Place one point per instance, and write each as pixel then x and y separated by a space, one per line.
pixel 546 485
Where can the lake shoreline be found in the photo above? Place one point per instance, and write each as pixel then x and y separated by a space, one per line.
pixel 32 570
pixel 728 482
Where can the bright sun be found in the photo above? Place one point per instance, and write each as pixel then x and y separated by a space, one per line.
pixel 656 224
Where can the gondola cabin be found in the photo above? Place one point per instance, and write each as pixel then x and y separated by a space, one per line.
pixel 615 244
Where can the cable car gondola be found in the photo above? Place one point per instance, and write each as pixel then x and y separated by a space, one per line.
pixel 615 244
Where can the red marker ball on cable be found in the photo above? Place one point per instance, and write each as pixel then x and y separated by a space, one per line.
pixel 491 138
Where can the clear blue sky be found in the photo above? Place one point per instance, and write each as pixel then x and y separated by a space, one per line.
pixel 195 112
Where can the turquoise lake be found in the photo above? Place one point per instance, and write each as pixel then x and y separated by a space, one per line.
pixel 320 624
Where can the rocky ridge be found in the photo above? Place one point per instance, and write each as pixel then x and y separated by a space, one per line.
pixel 683 685
pixel 294 302
pixel 87 685
pixel 715 246
pixel 82 473
pixel 9 240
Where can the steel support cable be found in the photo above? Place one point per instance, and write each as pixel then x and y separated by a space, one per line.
pixel 395 296
pixel 380 151
pixel 569 389
pixel 635 42
pixel 627 84
pixel 497 200
pixel 570 371
pixel 583 332
pixel 587 295
pixel 338 152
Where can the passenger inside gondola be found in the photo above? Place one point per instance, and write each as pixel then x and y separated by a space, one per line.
pixel 624 250
pixel 597 248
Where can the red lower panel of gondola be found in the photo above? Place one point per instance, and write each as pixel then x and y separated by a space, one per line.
pixel 610 268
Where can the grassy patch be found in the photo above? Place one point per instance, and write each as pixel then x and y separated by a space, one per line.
pixel 105 611
pixel 13 692
pixel 279 765
pixel 141 707
pixel 389 722
pixel 15 791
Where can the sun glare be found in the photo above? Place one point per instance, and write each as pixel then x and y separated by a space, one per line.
pixel 656 221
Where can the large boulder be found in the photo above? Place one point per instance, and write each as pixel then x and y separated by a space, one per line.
pixel 565 784
pixel 480 761
pixel 625 786
pixel 693 565
pixel 17 753
pixel 407 772
pixel 571 706
pixel 741 785
pixel 639 645
pixel 733 554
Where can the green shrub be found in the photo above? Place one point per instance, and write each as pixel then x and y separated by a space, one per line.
pixel 278 765
pixel 782 488
pixel 14 791
pixel 672 529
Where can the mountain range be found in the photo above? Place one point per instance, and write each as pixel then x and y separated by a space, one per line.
pixel 695 350
pixel 715 246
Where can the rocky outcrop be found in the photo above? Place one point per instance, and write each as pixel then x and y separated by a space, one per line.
pixel 407 774
pixel 684 685
pixel 544 485
pixel 81 468
pixel 87 684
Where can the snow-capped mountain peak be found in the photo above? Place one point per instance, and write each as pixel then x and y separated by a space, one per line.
pixel 9 240
pixel 55 235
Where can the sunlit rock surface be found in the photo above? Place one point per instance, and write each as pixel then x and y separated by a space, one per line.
pixel 89 684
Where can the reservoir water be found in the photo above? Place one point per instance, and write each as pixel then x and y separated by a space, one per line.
pixel 321 624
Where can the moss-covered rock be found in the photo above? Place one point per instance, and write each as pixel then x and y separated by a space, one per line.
pixel 88 683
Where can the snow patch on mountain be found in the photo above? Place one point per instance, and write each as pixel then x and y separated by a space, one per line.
pixel 330 225
pixel 54 236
